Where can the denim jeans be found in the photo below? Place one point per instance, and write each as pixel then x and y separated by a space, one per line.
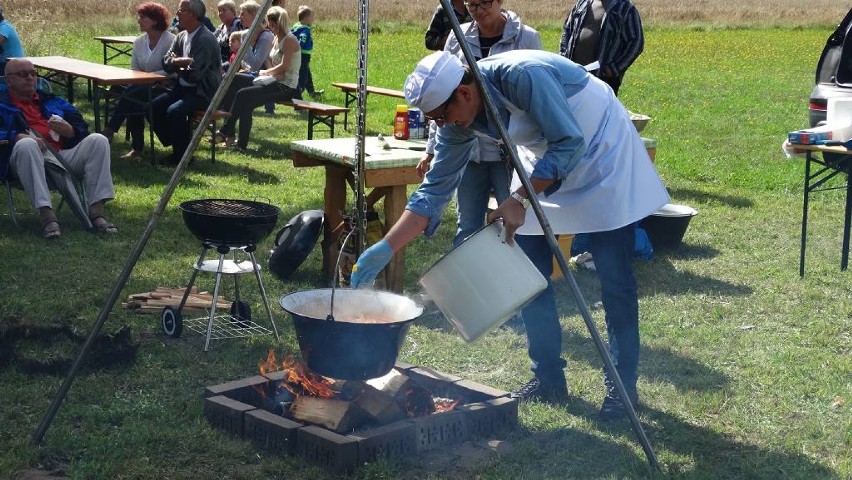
pixel 306 80
pixel 478 180
pixel 612 252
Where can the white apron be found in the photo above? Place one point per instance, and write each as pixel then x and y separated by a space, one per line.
pixel 613 185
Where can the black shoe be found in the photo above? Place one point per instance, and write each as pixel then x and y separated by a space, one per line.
pixel 613 407
pixel 556 392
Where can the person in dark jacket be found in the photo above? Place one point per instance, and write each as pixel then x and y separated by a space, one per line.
pixel 606 31
pixel 440 26
pixel 195 58
pixel 36 126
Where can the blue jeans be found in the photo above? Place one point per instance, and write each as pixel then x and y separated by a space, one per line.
pixel 612 252
pixel 478 180
pixel 306 80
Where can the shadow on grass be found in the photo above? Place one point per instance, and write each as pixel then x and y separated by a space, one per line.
pixel 707 450
pixel 699 196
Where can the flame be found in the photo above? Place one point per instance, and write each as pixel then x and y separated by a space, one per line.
pixel 298 379
pixel 445 404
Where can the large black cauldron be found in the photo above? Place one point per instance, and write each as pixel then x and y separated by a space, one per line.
pixel 364 338
pixel 230 222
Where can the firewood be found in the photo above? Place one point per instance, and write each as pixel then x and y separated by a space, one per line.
pixel 337 415
pixel 378 405
pixel 409 395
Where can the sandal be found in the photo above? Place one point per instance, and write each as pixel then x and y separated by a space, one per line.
pixel 51 233
pixel 132 155
pixel 228 141
pixel 104 226
pixel 218 138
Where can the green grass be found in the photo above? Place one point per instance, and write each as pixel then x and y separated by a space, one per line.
pixel 742 360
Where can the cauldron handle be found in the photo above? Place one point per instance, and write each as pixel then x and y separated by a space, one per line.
pixel 330 316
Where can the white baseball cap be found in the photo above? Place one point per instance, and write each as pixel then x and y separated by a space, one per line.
pixel 433 81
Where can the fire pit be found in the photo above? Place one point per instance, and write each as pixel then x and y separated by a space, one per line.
pixel 338 437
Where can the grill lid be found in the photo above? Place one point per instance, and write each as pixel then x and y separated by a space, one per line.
pixel 218 207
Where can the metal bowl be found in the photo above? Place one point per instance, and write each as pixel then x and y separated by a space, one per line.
pixel 639 121
pixel 229 222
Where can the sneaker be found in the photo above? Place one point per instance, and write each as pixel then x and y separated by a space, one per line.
pixel 317 94
pixel 613 407
pixel 543 392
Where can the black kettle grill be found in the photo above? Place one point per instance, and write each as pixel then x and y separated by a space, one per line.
pixel 230 226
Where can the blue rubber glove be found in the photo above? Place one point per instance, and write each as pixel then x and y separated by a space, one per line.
pixel 369 264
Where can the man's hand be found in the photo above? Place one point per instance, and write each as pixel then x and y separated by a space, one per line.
pixel 369 264
pixel 182 62
pixel 513 215
pixel 60 126
pixel 424 164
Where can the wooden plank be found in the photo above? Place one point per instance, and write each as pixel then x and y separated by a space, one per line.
pixel 336 415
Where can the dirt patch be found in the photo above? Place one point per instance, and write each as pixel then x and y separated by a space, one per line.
pixel 460 462
pixel 51 349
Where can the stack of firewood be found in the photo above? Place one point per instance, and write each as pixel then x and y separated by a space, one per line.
pixel 381 400
pixel 153 302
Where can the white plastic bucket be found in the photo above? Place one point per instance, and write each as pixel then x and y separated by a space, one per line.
pixel 483 282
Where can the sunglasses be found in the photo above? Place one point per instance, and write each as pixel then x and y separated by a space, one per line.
pixel 440 119
pixel 484 4
pixel 23 74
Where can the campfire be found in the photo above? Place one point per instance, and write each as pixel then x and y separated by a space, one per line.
pixel 288 409
pixel 343 405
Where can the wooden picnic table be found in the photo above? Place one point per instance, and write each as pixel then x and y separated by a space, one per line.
pixel 386 171
pixel 63 70
pixel 117 46
pixel 351 91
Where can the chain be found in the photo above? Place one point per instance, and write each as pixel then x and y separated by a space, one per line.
pixel 360 215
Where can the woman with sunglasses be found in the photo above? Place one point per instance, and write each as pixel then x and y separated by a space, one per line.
pixel 493 30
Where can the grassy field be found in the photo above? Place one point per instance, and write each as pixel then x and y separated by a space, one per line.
pixel 745 372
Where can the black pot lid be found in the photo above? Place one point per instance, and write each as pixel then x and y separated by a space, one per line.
pixel 294 242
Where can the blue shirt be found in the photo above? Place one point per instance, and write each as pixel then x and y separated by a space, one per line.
pixel 535 82
pixel 12 47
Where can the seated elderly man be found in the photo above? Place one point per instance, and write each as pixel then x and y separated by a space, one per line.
pixel 36 124
pixel 195 58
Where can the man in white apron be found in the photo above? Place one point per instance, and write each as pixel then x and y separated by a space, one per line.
pixel 589 169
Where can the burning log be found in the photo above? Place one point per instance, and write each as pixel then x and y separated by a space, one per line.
pixel 417 401
pixel 337 415
pixel 379 406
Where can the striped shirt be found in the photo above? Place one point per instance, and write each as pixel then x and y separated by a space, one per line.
pixel 621 37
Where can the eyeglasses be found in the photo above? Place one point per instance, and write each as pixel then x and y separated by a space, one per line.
pixel 484 4
pixel 23 74
pixel 440 119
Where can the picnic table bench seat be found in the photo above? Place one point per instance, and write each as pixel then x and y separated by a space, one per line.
pixel 318 113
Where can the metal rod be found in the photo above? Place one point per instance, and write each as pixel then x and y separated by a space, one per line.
pixel 360 206
pixel 103 314
pixel 551 238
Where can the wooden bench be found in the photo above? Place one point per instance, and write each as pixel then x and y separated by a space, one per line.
pixel 211 127
pixel 318 113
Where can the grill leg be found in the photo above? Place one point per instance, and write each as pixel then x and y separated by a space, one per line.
pixel 215 299
pixel 256 269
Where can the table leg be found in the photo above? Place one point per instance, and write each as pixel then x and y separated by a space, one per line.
pixel 96 104
pixel 334 204
pixel 395 202
pixel 805 194
pixel 69 85
pixel 350 99
pixel 844 256
pixel 105 53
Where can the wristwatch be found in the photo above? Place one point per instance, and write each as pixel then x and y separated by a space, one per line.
pixel 525 202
